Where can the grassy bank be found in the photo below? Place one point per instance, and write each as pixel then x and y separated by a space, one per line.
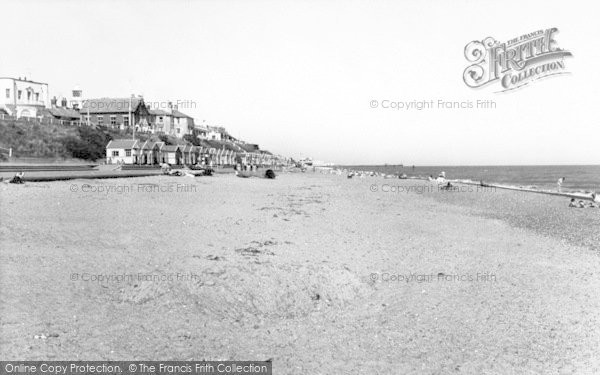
pixel 55 141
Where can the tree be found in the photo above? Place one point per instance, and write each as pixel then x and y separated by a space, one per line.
pixel 192 139
pixel 165 138
pixel 90 144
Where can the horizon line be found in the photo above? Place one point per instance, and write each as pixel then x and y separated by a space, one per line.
pixel 467 165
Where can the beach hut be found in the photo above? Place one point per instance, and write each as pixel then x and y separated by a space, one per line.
pixel 122 151
pixel 232 153
pixel 190 154
pixel 224 152
pixel 150 153
pixel 209 152
pixel 266 158
pixel 172 154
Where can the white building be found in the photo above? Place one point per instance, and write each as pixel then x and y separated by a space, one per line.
pixel 182 124
pixel 201 130
pixel 23 98
pixel 216 133
pixel 76 98
pixel 122 151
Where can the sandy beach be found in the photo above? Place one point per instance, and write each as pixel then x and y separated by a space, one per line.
pixel 321 274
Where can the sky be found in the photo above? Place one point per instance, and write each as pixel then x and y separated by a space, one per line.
pixel 300 77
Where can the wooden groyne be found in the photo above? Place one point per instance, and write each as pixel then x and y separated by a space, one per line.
pixel 46 167
pixel 58 172
pixel 584 196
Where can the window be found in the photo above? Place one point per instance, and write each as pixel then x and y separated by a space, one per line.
pixel 7 93
pixel 115 153
pixel 28 95
pixel 127 152
pixel 113 120
pixel 19 94
pixel 100 120
pixel 126 120
pixel 37 96
pixel 178 130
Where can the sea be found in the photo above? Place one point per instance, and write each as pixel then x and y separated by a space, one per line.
pixel 580 178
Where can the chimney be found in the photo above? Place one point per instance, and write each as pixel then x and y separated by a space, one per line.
pixel 63 103
pixel 53 102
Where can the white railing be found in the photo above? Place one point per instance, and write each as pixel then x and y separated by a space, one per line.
pixel 41 121
pixel 8 151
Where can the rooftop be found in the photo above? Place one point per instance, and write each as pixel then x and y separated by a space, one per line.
pixel 149 145
pixel 111 105
pixel 170 148
pixel 64 112
pixel 123 143
pixel 176 113
pixel 157 112
pixel 24 80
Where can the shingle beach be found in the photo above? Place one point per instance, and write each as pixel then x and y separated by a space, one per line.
pixel 320 273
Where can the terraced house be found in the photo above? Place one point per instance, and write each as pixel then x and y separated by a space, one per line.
pixel 170 121
pixel 182 124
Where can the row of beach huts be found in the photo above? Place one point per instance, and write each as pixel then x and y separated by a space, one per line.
pixel 209 152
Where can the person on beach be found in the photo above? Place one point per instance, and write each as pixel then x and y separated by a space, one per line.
pixel 448 187
pixel 165 168
pixel 595 200
pixel 559 184
pixel 18 178
pixel 573 203
pixel 581 204
pixel 441 179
